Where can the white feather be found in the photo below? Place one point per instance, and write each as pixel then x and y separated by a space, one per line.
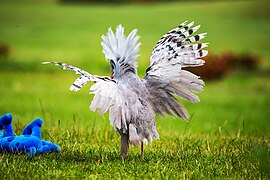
pixel 122 50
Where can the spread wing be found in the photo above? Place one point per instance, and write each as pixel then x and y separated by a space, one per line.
pixel 108 95
pixel 83 79
pixel 165 77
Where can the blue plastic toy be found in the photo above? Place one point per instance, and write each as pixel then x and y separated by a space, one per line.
pixel 29 142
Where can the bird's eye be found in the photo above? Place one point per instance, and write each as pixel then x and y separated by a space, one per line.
pixel 112 64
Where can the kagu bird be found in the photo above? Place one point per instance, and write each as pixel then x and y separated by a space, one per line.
pixel 132 102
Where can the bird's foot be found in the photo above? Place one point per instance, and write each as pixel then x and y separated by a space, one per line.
pixel 123 153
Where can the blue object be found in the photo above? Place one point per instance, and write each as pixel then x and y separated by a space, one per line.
pixel 29 142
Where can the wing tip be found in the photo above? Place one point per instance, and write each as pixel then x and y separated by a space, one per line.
pixel 185 116
pixel 46 62
pixel 53 62
pixel 73 88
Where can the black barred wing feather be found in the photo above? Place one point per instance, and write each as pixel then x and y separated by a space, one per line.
pixel 165 78
pixel 108 95
pixel 179 47
pixel 83 79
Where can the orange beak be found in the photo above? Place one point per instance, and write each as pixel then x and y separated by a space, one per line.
pixel 112 75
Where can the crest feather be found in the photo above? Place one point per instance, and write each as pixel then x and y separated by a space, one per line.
pixel 121 49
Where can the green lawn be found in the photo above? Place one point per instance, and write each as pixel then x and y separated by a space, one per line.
pixel 227 136
pixel 94 154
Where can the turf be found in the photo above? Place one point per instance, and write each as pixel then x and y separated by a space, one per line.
pixel 94 153
pixel 227 136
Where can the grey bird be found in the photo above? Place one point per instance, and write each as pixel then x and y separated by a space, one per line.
pixel 132 102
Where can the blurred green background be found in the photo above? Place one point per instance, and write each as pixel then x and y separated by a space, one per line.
pixel 35 31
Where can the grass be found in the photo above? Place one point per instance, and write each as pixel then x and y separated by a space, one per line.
pixel 49 31
pixel 93 153
pixel 227 136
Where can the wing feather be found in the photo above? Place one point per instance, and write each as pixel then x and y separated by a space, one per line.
pixel 165 78
pixel 83 79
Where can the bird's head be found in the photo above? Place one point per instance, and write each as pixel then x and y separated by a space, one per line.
pixel 121 51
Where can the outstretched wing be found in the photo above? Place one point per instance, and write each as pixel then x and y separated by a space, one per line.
pixel 83 79
pixel 164 77
pixel 119 100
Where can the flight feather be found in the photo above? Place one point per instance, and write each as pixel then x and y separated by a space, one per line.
pixel 177 49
